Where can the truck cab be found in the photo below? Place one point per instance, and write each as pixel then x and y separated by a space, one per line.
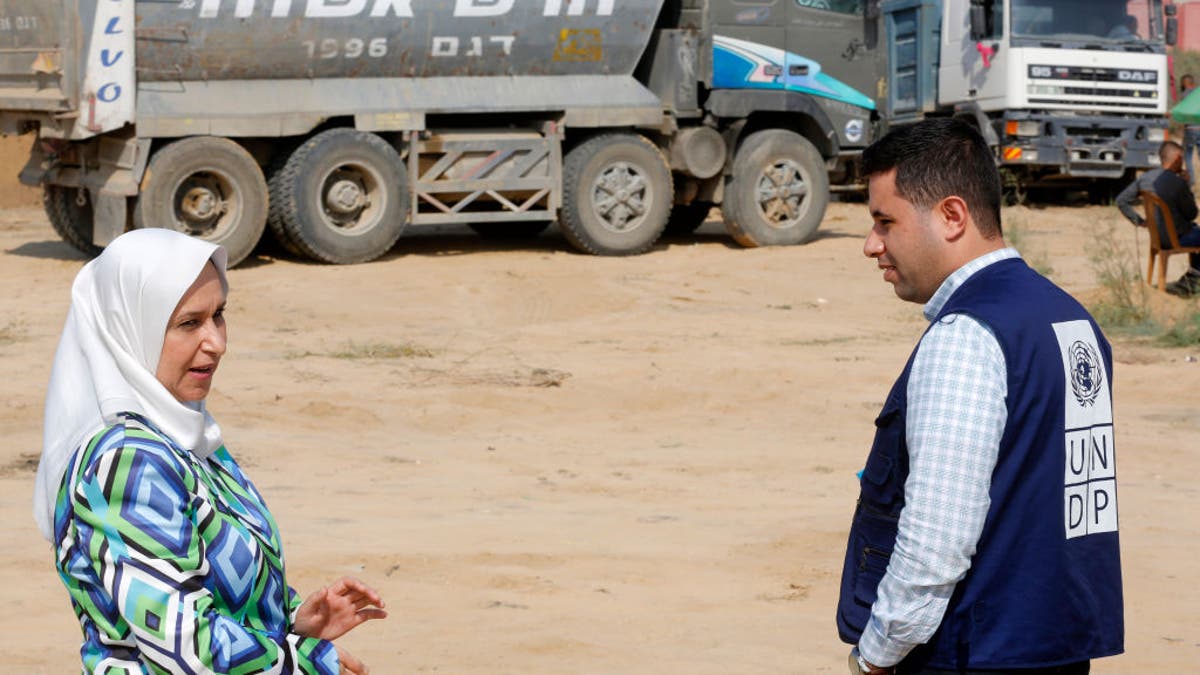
pixel 1071 93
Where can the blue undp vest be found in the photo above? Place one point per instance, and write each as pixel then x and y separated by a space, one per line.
pixel 1044 586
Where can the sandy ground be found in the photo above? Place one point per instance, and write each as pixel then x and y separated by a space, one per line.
pixel 14 152
pixel 554 463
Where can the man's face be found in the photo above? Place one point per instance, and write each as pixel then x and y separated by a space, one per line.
pixel 1173 162
pixel 904 241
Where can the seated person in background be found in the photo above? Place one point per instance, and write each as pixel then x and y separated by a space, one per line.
pixel 1172 184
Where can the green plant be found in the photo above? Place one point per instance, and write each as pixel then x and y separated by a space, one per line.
pixel 1124 303
pixel 1184 333
pixel 1016 233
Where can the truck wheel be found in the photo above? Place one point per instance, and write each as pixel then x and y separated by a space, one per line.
pixel 778 191
pixel 207 187
pixel 275 214
pixel 70 219
pixel 342 197
pixel 687 218
pixel 509 231
pixel 616 195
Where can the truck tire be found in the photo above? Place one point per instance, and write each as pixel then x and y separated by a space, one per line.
pixel 70 219
pixel 342 196
pixel 777 192
pixel 274 214
pixel 525 229
pixel 687 218
pixel 207 187
pixel 616 195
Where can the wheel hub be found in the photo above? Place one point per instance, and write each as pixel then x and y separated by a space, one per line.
pixel 200 203
pixel 781 190
pixel 345 197
pixel 619 197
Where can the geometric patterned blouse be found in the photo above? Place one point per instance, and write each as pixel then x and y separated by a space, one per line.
pixel 174 564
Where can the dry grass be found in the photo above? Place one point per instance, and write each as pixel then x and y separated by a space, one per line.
pixel 11 332
pixel 1126 305
pixel 371 351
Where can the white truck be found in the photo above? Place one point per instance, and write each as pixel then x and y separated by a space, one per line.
pixel 335 124
pixel 1071 93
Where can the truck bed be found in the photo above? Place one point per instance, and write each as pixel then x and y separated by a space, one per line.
pixel 31 56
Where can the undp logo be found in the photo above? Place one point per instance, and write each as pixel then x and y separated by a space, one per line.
pixel 1086 374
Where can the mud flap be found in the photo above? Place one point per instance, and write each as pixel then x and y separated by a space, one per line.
pixel 109 215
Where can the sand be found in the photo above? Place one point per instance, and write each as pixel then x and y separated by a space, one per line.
pixel 14 152
pixel 555 463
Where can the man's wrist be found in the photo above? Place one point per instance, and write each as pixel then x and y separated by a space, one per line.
pixel 860 666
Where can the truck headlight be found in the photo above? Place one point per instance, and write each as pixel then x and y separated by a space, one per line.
pixel 1023 128
pixel 1156 135
pixel 1046 90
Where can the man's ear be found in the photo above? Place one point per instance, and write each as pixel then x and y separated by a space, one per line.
pixel 954 217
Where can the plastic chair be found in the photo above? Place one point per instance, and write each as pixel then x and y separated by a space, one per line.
pixel 1156 207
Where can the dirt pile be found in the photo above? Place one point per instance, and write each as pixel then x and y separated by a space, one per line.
pixel 14 151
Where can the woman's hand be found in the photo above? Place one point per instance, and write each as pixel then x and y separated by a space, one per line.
pixel 350 663
pixel 334 610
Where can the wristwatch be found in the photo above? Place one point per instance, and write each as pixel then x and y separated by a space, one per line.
pixel 859 666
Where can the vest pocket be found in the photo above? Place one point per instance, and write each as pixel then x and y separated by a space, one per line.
pixel 878 468
pixel 874 538
pixel 872 564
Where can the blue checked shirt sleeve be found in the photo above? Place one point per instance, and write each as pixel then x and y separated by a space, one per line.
pixel 956 417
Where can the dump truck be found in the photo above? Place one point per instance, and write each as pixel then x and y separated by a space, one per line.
pixel 334 125
pixel 1071 94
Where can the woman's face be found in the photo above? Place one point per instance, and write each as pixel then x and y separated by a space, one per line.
pixel 195 339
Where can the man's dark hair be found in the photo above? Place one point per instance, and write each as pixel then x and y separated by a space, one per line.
pixel 1168 151
pixel 939 158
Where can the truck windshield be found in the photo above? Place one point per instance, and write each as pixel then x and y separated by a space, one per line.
pixel 1097 21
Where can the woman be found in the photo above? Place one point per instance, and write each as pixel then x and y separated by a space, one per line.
pixel 171 558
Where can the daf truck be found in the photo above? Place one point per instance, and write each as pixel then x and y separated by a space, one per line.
pixel 1070 93
pixel 333 125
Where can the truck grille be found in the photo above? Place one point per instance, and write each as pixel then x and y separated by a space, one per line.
pixel 1109 88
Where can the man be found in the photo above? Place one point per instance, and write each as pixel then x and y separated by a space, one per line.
pixel 985 535
pixel 1171 184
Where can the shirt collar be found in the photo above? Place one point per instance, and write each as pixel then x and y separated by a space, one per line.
pixel 960 276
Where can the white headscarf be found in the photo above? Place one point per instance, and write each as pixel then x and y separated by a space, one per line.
pixel 109 350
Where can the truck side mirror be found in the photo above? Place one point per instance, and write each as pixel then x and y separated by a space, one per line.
pixel 1172 29
pixel 978 21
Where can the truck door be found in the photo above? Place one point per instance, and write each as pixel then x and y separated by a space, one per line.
pixel 842 39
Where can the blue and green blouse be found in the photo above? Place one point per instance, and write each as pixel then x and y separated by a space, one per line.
pixel 174 563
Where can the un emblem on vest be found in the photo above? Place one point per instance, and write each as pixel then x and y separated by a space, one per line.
pixel 1086 374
